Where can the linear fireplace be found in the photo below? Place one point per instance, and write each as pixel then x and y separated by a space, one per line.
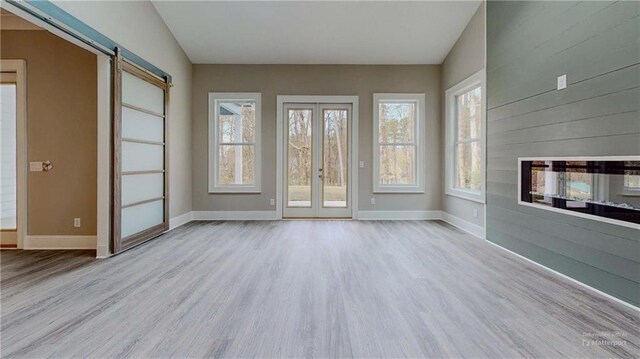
pixel 601 188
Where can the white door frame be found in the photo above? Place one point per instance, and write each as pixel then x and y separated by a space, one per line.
pixel 353 178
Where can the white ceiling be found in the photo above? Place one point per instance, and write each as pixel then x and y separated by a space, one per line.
pixel 319 32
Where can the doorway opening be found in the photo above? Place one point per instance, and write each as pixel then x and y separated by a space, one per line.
pixel 317 159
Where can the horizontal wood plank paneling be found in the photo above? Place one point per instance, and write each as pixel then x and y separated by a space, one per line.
pixel 597 44
pixel 609 283
pixel 616 246
pixel 579 34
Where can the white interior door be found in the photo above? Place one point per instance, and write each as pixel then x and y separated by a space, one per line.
pixel 317 160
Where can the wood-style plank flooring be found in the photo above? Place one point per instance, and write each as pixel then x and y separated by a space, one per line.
pixel 298 289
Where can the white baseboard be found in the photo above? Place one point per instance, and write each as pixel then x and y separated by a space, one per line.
pixel 586 286
pixel 399 215
pixel 235 215
pixel 60 242
pixel 464 225
pixel 178 221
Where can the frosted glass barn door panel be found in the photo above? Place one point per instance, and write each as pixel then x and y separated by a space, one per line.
pixel 138 218
pixel 139 125
pixel 142 157
pixel 142 94
pixel 140 160
pixel 142 187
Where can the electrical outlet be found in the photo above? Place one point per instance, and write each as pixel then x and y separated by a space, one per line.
pixel 373 200
pixel 76 222
pixel 562 82
pixel 475 213
pixel 272 202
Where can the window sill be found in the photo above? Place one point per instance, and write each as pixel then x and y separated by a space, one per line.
pixel 477 197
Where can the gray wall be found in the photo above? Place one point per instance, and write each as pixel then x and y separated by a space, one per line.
pixel 273 80
pixel 596 44
pixel 465 59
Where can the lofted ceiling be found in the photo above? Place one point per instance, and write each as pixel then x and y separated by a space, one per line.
pixel 316 32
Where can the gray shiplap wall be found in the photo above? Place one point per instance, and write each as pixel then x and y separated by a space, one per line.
pixel 529 44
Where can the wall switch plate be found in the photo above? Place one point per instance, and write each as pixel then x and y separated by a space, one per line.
pixel 562 82
pixel 272 202
pixel 373 200
pixel 475 213
pixel 35 166
pixel 76 222
pixel 361 164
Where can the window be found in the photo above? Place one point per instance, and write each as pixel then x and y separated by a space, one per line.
pixel 399 124
pixel 234 142
pixel 465 139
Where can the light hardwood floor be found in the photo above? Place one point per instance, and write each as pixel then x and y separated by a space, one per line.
pixel 304 289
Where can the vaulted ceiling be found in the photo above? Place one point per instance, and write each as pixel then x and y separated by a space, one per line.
pixel 327 32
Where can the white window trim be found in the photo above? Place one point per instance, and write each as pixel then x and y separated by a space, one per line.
pixel 419 99
pixel 212 121
pixel 450 108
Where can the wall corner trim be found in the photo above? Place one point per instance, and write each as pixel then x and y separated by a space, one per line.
pixel 180 220
pixel 59 242
pixel 464 225
pixel 399 215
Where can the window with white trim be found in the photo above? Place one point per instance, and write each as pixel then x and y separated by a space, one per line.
pixel 234 142
pixel 398 141
pixel 465 129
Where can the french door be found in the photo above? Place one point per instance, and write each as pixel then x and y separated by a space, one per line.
pixel 140 152
pixel 317 154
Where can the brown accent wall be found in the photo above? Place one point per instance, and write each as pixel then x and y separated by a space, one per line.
pixel 61 127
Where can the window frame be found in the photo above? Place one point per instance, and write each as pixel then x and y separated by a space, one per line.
pixel 451 167
pixel 419 100
pixel 214 144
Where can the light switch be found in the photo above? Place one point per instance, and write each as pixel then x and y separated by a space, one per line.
pixel 35 166
pixel 475 213
pixel 562 82
pixel 361 164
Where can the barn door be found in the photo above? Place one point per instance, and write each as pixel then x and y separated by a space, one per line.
pixel 140 156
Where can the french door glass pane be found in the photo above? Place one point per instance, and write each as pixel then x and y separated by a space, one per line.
pixel 396 122
pixel 468 166
pixel 299 153
pixel 469 115
pixel 140 93
pixel 398 165
pixel 335 148
pixel 237 122
pixel 8 188
pixel 235 164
